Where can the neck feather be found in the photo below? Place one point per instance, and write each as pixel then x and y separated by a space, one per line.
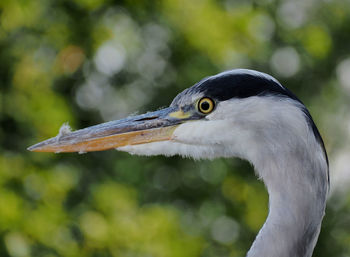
pixel 297 184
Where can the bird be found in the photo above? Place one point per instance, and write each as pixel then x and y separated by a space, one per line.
pixel 237 113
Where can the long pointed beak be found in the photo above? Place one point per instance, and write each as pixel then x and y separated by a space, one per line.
pixel 141 129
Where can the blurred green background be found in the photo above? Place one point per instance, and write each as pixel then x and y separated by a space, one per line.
pixel 89 61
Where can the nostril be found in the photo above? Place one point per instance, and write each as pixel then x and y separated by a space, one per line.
pixel 147 118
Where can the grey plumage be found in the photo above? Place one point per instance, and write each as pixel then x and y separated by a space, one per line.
pixel 250 115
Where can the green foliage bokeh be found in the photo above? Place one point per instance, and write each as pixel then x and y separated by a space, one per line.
pixel 89 61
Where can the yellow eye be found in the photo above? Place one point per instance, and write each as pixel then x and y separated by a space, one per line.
pixel 206 105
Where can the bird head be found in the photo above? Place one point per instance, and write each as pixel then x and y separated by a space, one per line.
pixel 241 113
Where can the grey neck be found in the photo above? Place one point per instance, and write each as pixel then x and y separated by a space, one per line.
pixel 297 187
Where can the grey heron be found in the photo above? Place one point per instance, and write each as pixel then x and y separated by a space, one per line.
pixel 238 113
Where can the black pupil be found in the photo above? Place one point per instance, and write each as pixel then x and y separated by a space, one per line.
pixel 205 106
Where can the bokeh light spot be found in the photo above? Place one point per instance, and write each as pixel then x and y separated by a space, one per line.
pixel 292 14
pixel 110 58
pixel 224 230
pixel 17 244
pixel 70 59
pixel 285 62
pixel 343 74
pixel 94 226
